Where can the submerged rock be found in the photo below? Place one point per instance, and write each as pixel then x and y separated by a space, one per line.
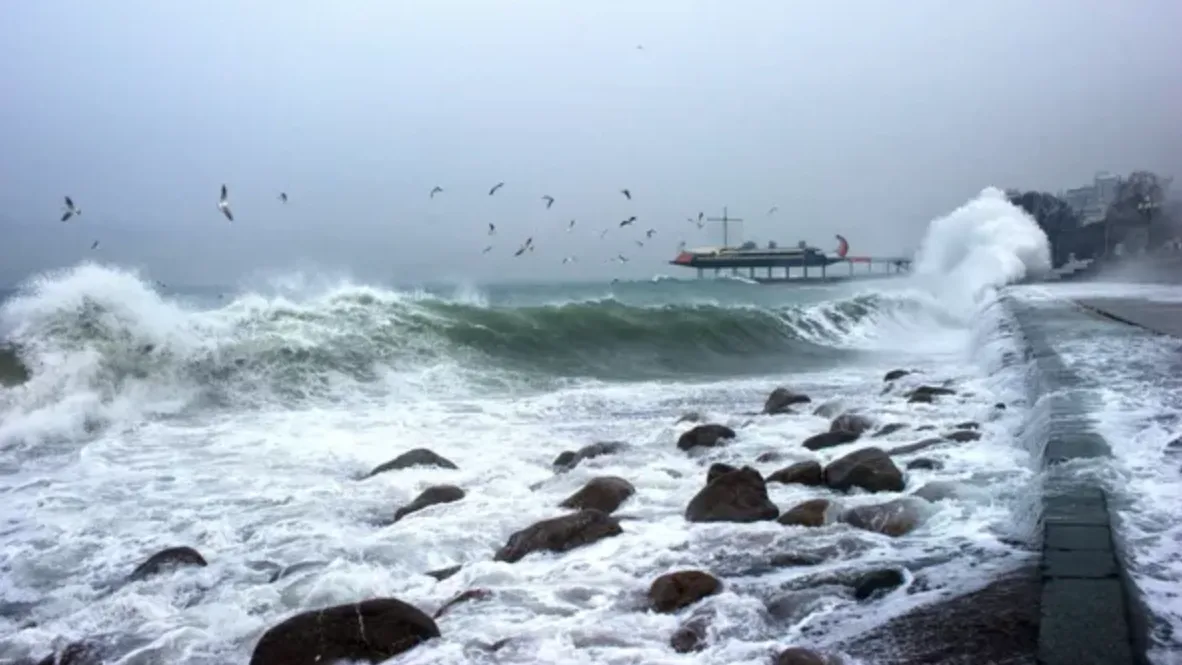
pixel 470 594
pixel 691 635
pixel 895 374
pixel 416 457
pixel 828 409
pixel 969 424
pixel 893 518
pixel 560 534
pixel 673 591
pixel 879 582
pixel 781 399
pixel 808 513
pixel 801 473
pixel 769 456
pixel 604 493
pixel 430 497
pixel 799 656
pixel 852 423
pixel 963 435
pixel 689 417
pixel 444 573
pixel 171 558
pixel 570 459
pixel 77 653
pixel 296 568
pixel 869 468
pixel 927 394
pixel 738 496
pixel 705 436
pixel 372 631
pixel 924 464
pixel 890 428
pixel 829 440
pixel 918 446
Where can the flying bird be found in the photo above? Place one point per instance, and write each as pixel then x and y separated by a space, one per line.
pixel 283 197
pixel 571 226
pixel 492 228
pixel 487 249
pixel 628 221
pixel 621 258
pixel 495 188
pixel 701 215
pixel 773 210
pixel 681 245
pixel 627 194
pixel 603 233
pixel 95 245
pixel 549 201
pixel 650 233
pixel 224 205
pixel 436 190
pixel 639 243
pixel 529 245
pixel 71 209
pixel 570 259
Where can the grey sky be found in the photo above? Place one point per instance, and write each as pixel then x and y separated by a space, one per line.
pixel 864 118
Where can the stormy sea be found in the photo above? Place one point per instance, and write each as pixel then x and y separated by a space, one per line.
pixel 248 423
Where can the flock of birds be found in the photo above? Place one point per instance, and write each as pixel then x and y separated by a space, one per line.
pixel 223 205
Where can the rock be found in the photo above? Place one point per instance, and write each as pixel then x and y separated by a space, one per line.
pixel 890 428
pixel 296 568
pixel 570 459
pixel 868 468
pixel 925 428
pixel 76 653
pixel 829 440
pixel 470 594
pixel 927 394
pixel 372 631
pixel 769 456
pixel 963 435
pixel 918 446
pixel 828 409
pixel 1000 406
pixel 938 490
pixel 691 635
pixel 718 469
pixel 883 581
pixel 969 424
pixel 802 473
pixel 416 457
pixel 673 591
pixel 853 423
pixel 738 496
pixel 782 398
pixel 924 464
pixel 173 557
pixel 921 398
pixel 893 518
pixel 706 436
pixel 809 513
pixel 689 417
pixel 604 494
pixel 430 497
pixel 560 534
pixel 895 374
pixel 799 656
pixel 13 372
pixel 444 573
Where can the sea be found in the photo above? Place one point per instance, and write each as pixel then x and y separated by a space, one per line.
pixel 239 422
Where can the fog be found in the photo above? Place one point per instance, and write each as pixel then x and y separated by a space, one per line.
pixel 861 118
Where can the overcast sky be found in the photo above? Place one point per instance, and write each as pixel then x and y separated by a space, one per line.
pixel 862 118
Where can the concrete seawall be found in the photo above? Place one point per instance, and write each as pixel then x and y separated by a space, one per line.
pixel 1090 612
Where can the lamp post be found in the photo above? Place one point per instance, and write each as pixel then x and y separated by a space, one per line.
pixel 1146 207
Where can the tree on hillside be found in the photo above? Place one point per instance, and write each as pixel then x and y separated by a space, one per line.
pixel 1054 217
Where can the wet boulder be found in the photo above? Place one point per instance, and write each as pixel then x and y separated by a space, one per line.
pixel 689 417
pixel 769 456
pixel 917 446
pixel 852 423
pixel 924 464
pixel 77 653
pixel 828 409
pixel 463 597
pixel 165 560
pixel 370 631
pixel 808 513
pixel 604 494
pixel 782 399
pixel 429 497
pixel 869 468
pixel 893 518
pixel 12 371
pixel 718 469
pixel 799 656
pixel 801 473
pixel 829 440
pixel 560 534
pixel 569 459
pixel 705 436
pixel 963 435
pixel 878 583
pixel 691 636
pixel 928 394
pixel 738 496
pixel 416 457
pixel 895 374
pixel 969 424
pixel 673 591
pixel 444 573
pixel 889 429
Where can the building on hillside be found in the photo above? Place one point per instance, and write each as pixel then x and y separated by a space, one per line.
pixel 1091 202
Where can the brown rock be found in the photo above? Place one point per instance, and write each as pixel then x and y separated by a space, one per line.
pixel 372 630
pixel 739 496
pixel 877 581
pixel 893 518
pixel 868 468
pixel 560 534
pixel 706 436
pixel 890 428
pixel 895 374
pixel 963 435
pixel 430 497
pixel 781 399
pixel 570 459
pixel 809 513
pixel 829 440
pixel 470 594
pixel 718 469
pixel 799 656
pixel 604 493
pixel 416 457
pixel 802 473
pixel 853 423
pixel 168 559
pixel 673 591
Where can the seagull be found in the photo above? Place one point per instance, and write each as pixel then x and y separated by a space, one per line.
pixel 283 197
pixel 570 259
pixel 649 233
pixel 701 224
pixel 773 210
pixel 224 205
pixel 621 258
pixel 71 209
pixel 690 220
pixel 520 251
pixel 571 226
pixel 529 244
pixel 95 245
pixel 681 245
pixel 495 188
pixel 628 221
pixel 487 249
pixel 701 215
pixel 639 243
pixel 603 233
pixel 436 190
pixel 492 228
pixel 549 201
pixel 626 193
